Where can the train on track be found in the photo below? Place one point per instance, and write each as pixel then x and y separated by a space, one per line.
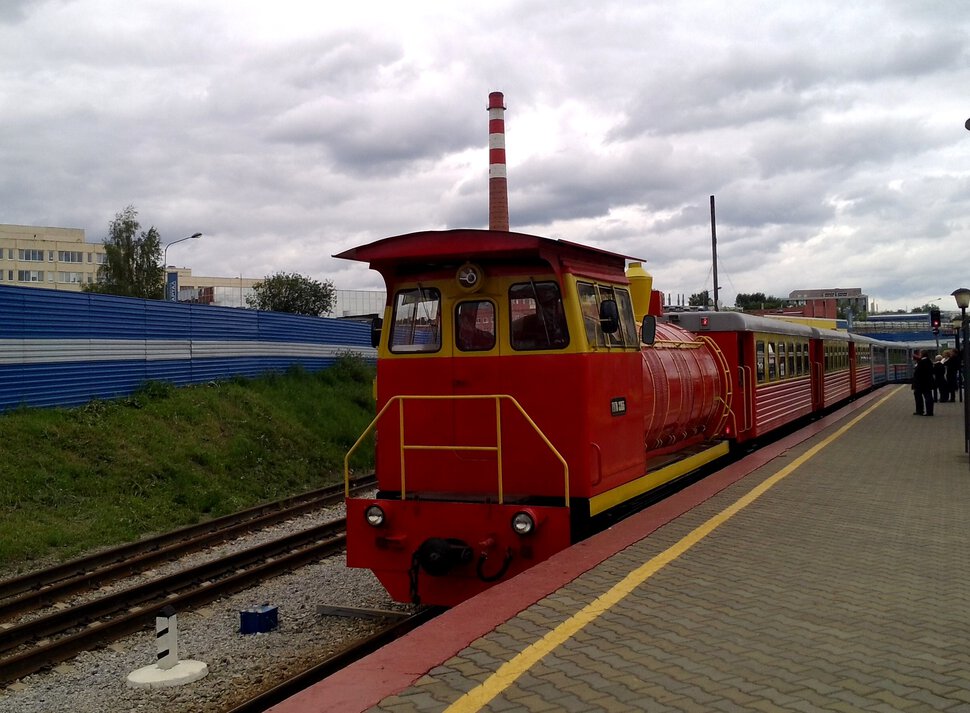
pixel 528 387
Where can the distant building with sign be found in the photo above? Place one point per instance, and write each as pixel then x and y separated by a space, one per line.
pixel 850 297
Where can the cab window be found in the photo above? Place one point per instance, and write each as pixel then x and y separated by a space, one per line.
pixel 628 323
pixel 475 326
pixel 537 319
pixel 590 298
pixel 416 324
pixel 590 305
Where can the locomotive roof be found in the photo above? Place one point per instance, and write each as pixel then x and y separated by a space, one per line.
pixel 436 248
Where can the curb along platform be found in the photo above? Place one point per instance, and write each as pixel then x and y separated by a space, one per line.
pixel 827 572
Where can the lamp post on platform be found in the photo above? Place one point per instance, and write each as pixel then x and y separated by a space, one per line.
pixel 962 296
pixel 171 278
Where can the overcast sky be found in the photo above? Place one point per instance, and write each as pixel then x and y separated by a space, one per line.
pixel 830 133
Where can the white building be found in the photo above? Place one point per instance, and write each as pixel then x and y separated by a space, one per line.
pixel 61 259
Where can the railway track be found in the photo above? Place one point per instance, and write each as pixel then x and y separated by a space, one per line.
pixel 36 590
pixel 60 634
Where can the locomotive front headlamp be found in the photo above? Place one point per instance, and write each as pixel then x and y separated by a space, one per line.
pixel 523 523
pixel 374 515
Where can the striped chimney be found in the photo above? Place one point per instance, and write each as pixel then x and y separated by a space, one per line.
pixel 498 188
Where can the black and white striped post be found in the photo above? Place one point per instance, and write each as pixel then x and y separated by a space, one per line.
pixel 167 638
pixel 167 669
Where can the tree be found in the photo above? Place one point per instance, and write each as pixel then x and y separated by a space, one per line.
pixel 699 299
pixel 131 267
pixel 757 301
pixel 292 293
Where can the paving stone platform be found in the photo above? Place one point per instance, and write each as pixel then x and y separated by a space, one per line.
pixel 828 572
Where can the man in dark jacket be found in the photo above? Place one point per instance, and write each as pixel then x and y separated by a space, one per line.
pixel 923 384
pixel 953 366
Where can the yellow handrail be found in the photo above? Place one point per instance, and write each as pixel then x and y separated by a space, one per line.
pixel 497 448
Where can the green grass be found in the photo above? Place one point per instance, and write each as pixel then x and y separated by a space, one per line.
pixel 111 472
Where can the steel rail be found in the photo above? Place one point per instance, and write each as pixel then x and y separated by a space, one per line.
pixel 132 609
pixel 42 588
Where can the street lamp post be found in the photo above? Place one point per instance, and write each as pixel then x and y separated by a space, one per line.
pixel 957 323
pixel 962 296
pixel 168 245
pixel 172 284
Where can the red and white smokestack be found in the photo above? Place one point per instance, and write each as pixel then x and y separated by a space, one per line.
pixel 498 188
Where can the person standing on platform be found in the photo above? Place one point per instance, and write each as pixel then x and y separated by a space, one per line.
pixel 923 384
pixel 939 380
pixel 953 364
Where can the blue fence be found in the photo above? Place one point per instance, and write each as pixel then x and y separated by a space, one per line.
pixel 65 348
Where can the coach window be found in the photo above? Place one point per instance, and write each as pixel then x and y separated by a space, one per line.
pixel 782 371
pixel 475 326
pixel 416 325
pixel 537 317
pixel 792 369
pixel 760 359
pixel 772 362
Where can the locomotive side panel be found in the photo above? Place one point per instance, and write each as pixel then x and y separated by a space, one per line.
pixel 609 398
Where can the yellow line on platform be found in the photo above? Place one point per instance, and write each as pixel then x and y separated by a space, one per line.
pixel 510 671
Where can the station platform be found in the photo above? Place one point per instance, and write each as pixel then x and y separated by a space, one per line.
pixel 829 571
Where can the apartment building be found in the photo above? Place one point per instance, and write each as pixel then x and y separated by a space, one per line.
pixel 55 258
pixel 61 259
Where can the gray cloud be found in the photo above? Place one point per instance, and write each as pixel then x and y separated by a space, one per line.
pixel 831 134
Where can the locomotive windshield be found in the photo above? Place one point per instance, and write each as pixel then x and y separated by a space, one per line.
pixel 537 317
pixel 475 326
pixel 416 326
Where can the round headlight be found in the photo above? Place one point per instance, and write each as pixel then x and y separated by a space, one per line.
pixel 374 515
pixel 522 523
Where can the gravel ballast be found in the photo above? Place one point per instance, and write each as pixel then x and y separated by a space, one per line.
pixel 239 664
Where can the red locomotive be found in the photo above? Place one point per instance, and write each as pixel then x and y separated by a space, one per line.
pixel 526 386
pixel 515 403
